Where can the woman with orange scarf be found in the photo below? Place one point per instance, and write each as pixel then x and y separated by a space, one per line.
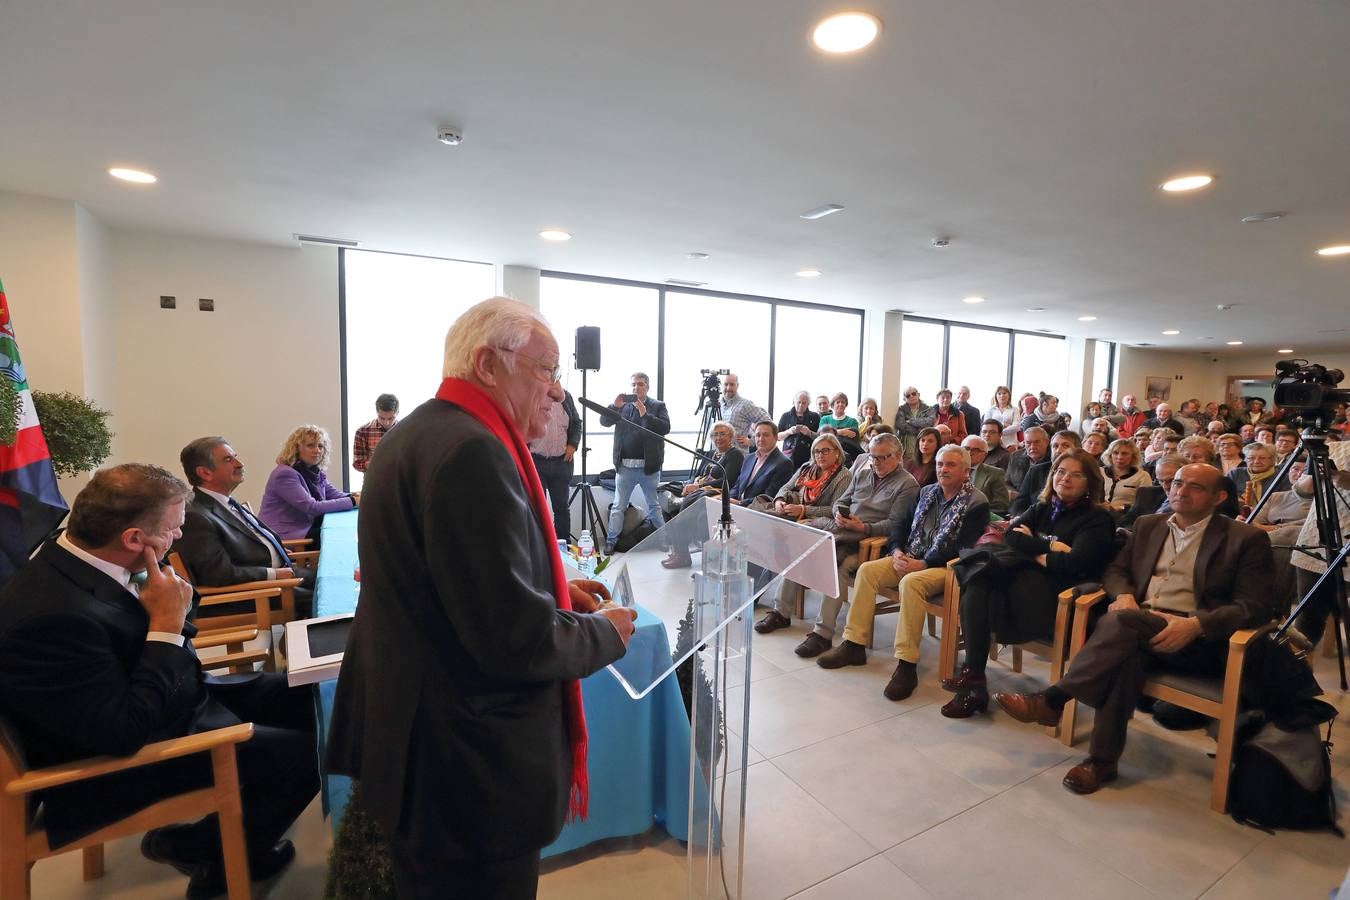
pixel 817 483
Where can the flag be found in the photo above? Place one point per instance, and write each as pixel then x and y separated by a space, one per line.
pixel 30 501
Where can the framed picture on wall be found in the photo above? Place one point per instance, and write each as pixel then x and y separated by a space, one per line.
pixel 1158 388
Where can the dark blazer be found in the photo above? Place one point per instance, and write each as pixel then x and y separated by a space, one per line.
pixel 992 482
pixel 1018 463
pixel 972 526
pixel 1032 484
pixel 1154 423
pixel 79 679
pixel 971 415
pixel 775 472
pixel 656 419
pixel 1147 500
pixel 449 708
pixel 999 457
pixel 217 548
pixel 730 462
pixel 1234 585
pixel 1087 529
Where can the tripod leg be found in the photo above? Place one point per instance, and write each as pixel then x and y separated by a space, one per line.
pixel 1337 625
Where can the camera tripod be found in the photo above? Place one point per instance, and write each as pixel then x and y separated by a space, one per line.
pixel 1313 444
pixel 590 511
pixel 710 401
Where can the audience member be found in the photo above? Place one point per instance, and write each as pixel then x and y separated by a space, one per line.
pixel 1143 439
pixel 797 429
pixel 553 454
pixel 869 414
pixel 1034 449
pixel 368 436
pixel 822 405
pixel 739 411
pixel 1163 418
pixel 912 416
pixel 999 455
pixel 1151 499
pixel 1282 518
pixel 1108 408
pixel 988 480
pixel 970 413
pixel 950 416
pixel 1214 428
pixel 1186 415
pixel 1131 417
pixel 1257 477
pixel 1256 412
pixel 846 428
pixel 637 455
pixel 1008 416
pixel 710 479
pixel 1311 564
pixel 1197 449
pixel 95 660
pixel 811 492
pixel 1230 452
pixel 1247 431
pixel 1094 443
pixel 1038 474
pixel 298 492
pixel 923 465
pixel 874 502
pixel 1265 434
pixel 1091 414
pixel 1063 539
pixel 1175 601
pixel 950 515
pixel 1123 475
pixel 765 470
pixel 1046 415
pixel 1286 441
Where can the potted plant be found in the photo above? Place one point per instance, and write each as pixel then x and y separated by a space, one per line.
pixel 76 431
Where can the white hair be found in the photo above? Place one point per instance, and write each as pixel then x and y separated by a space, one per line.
pixel 952 448
pixel 498 322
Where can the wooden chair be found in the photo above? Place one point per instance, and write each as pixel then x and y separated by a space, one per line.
pixel 298 550
pixel 260 592
pixel 1213 697
pixel 23 841
pixel 235 658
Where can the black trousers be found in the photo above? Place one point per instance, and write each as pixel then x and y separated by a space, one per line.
pixel 556 474
pixel 1313 620
pixel 421 878
pixel 1108 674
pixel 1017 606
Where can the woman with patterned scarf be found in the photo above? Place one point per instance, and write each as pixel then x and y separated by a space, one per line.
pixel 1258 478
pixel 812 491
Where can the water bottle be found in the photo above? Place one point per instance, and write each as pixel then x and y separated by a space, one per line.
pixel 586 553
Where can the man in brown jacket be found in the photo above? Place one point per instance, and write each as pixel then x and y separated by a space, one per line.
pixel 1179 589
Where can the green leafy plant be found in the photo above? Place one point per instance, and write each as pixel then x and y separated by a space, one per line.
pixel 76 431
pixel 9 412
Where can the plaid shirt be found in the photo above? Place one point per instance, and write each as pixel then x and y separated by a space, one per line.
pixel 363 445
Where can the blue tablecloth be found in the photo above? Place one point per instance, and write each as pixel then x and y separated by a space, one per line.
pixel 639 750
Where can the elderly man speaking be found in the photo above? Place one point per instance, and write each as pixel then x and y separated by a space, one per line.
pixel 458 706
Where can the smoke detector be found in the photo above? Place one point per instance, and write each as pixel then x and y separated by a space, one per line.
pixel 939 243
pixel 448 136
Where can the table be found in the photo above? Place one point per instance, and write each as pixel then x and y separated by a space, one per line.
pixel 639 750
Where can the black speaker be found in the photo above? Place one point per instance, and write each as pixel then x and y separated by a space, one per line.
pixel 588 348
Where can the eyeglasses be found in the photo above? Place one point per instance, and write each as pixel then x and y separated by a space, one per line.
pixel 554 371
pixel 881 457
pixel 1065 473
pixel 820 451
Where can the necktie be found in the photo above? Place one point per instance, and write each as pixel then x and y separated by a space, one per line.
pixel 262 532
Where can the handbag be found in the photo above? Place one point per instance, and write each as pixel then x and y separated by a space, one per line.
pixel 993 533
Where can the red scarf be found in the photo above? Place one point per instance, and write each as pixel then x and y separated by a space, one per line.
pixel 470 398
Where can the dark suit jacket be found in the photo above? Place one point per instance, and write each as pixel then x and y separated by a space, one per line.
pixel 775 472
pixel 79 679
pixel 449 708
pixel 1234 584
pixel 1032 484
pixel 217 548
pixel 1147 500
pixel 972 526
pixel 656 419
pixel 1018 464
pixel 730 462
pixel 972 417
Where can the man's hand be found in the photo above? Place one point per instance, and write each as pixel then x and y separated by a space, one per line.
pixel 1180 632
pixel 1060 547
pixel 802 429
pixel 285 573
pixel 851 523
pixel 165 597
pixel 1122 602
pixel 568 452
pixel 356 498
pixel 743 441
pixel 583 592
pixel 903 563
pixel 620 400
pixel 641 407
pixel 689 489
pixel 622 619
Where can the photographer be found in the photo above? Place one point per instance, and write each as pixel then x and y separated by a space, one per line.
pixel 797 428
pixel 637 456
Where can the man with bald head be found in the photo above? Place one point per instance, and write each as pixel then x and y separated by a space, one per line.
pixel 1163 418
pixel 797 429
pixel 740 412
pixel 1183 583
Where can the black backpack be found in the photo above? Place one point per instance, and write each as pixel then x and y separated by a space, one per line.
pixel 1282 771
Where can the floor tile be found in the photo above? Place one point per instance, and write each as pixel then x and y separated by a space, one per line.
pixel 872 879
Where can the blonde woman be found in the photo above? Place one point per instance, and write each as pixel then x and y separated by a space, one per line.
pixel 1124 473
pixel 298 493
pixel 1002 411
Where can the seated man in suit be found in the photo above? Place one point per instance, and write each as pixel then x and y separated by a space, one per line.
pixel 1035 448
pixel 764 471
pixel 881 495
pixel 95 660
pixel 988 480
pixel 950 514
pixel 223 543
pixel 992 432
pixel 1179 589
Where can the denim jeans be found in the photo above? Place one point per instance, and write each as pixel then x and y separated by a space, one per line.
pixel 625 479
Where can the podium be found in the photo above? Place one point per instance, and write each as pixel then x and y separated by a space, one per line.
pixel 708 613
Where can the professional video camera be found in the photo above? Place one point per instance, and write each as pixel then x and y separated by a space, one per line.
pixel 1308 391
pixel 711 391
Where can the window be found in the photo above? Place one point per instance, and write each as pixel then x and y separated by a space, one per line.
pixel 977 358
pixel 1040 363
pixel 921 359
pixel 1103 356
pixel 816 350
pixel 627 316
pixel 397 309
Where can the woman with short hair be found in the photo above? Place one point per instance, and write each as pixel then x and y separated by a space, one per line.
pixel 1122 474
pixel 946 414
pixel 298 493
pixel 911 417
pixel 817 484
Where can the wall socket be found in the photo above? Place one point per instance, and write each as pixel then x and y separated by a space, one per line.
pixel 206 304
pixel 167 302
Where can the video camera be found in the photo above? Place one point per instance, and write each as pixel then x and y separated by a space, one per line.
pixel 1308 390
pixel 711 391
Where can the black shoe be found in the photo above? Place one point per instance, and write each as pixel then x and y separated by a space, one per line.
pixel 846 654
pixel 964 680
pixel 174 845
pixel 772 621
pixel 209 878
pixel 903 681
pixel 814 645
pixel 609 550
pixel 1178 718
pixel 966 704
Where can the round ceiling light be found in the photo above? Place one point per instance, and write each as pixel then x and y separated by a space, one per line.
pixel 1337 250
pixel 808 273
pixel 846 32
pixel 1187 183
pixel 1171 331
pixel 553 234
pixel 1087 318
pixel 972 300
pixel 1285 350
pixel 135 176
pixel 1235 343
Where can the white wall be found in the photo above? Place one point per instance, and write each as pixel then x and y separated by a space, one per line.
pixel 1193 374
pixel 96 319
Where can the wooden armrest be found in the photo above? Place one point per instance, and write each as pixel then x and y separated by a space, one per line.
pixel 304 557
pixel 869 548
pixel 296 543
pixel 1239 640
pixel 234 596
pixel 1090 599
pixel 245 586
pixel 224 636
pixel 84 769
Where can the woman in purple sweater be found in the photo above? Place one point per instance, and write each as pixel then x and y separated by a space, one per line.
pixel 298 493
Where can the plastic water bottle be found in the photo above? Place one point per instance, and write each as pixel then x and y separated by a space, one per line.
pixel 586 553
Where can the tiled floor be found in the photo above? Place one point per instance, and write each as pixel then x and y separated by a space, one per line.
pixel 853 796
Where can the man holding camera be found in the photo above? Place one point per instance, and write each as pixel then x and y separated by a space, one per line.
pixel 637 455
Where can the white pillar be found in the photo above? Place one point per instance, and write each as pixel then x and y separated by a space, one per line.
pixel 520 283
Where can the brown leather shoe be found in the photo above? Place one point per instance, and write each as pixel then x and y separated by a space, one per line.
pixel 964 680
pixel 677 560
pixel 846 654
pixel 903 681
pixel 1029 708
pixel 966 704
pixel 772 621
pixel 814 645
pixel 1089 775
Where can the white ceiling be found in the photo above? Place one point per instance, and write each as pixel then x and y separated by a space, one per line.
pixel 1031 132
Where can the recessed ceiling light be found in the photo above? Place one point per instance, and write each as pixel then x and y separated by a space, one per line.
pixel 821 212
pixel 1235 343
pixel 808 273
pixel 972 300
pixel 846 32
pixel 697 255
pixel 1337 250
pixel 135 176
pixel 1035 309
pixel 1256 218
pixel 1087 318
pixel 1171 331
pixel 1285 350
pixel 1187 183
pixel 553 234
